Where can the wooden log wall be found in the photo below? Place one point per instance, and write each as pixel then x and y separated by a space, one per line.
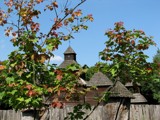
pixel 106 112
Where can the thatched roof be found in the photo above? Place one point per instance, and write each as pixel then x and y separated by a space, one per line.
pixel 99 79
pixel 65 63
pixel 119 90
pixel 69 51
pixel 138 98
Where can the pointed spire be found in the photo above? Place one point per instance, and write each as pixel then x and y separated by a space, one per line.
pixel 69 51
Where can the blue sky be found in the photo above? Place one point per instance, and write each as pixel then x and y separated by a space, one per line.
pixel 136 14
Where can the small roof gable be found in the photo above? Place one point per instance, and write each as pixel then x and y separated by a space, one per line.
pixel 65 63
pixel 130 84
pixel 82 82
pixel 69 51
pixel 119 90
pixel 99 79
pixel 138 98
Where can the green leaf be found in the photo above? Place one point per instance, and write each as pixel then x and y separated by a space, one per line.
pixel 21 99
pixel 13 64
pixel 35 102
pixel 49 47
pixel 13 92
pixel 85 27
pixel 2 94
pixel 113 72
pixel 72 68
pixel 87 106
pixel 51 73
pixel 35 40
pixel 9 80
pixel 29 75
pixel 28 100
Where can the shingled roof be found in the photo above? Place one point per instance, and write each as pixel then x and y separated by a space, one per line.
pixel 130 84
pixel 138 98
pixel 99 79
pixel 65 63
pixel 69 58
pixel 69 51
pixel 119 90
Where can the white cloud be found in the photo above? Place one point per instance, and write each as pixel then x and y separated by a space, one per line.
pixel 57 59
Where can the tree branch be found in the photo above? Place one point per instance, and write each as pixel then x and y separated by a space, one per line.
pixel 64 17
pixel 65 6
pixel 54 25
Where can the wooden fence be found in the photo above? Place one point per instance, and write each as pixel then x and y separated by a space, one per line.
pixel 10 115
pixel 106 112
pixel 145 112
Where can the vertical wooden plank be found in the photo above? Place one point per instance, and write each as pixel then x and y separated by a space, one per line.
pixel 106 112
pixel 10 115
pixel 144 112
pixel 97 113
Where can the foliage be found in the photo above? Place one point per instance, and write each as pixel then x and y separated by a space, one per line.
pixel 125 49
pixel 28 79
pixel 156 58
pixel 102 67
pixel 152 88
pixel 78 112
pixel 156 78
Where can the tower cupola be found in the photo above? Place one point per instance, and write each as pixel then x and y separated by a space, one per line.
pixel 69 58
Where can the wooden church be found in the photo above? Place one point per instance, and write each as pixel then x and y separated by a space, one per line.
pixel 103 84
